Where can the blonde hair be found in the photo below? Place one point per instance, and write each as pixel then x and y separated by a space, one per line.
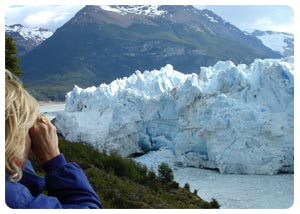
pixel 21 111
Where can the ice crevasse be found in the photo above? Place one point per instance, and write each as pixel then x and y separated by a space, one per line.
pixel 234 118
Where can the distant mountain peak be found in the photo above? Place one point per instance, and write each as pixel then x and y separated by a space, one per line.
pixel 27 38
pixel 36 34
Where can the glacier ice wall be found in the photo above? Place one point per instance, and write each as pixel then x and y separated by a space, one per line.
pixel 234 118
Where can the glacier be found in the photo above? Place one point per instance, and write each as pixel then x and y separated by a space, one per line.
pixel 237 119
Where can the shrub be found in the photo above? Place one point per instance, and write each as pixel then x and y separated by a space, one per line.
pixel 120 166
pixel 187 187
pixel 165 173
pixel 214 204
pixel 142 169
pixel 174 185
pixel 152 175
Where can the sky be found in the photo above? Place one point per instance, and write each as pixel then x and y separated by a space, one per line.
pixel 262 17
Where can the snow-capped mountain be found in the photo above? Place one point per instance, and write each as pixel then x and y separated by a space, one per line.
pixel 234 118
pixel 27 38
pixel 103 43
pixel 147 10
pixel 277 41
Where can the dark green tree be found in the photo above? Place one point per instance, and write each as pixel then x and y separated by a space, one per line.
pixel 214 204
pixel 195 191
pixel 187 187
pixel 11 60
pixel 151 175
pixel 165 173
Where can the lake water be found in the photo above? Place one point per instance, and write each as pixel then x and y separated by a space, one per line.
pixel 51 110
pixel 240 191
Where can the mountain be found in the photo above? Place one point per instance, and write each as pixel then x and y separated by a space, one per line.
pixel 25 38
pixel 102 43
pixel 234 118
pixel 277 41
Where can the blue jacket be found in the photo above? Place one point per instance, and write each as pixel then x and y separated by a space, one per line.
pixel 66 184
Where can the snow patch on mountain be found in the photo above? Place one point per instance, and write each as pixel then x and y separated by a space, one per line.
pixel 211 19
pixel 277 41
pixel 148 10
pixel 234 118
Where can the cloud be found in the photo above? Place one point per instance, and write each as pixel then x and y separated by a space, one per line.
pixel 40 18
pixel 45 16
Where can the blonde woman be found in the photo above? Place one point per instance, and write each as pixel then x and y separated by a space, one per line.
pixel 27 131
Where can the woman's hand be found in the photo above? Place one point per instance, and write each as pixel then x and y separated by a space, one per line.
pixel 44 139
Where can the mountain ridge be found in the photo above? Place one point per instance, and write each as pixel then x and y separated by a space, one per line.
pixel 97 46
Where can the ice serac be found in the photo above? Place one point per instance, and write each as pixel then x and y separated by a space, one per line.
pixel 234 118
